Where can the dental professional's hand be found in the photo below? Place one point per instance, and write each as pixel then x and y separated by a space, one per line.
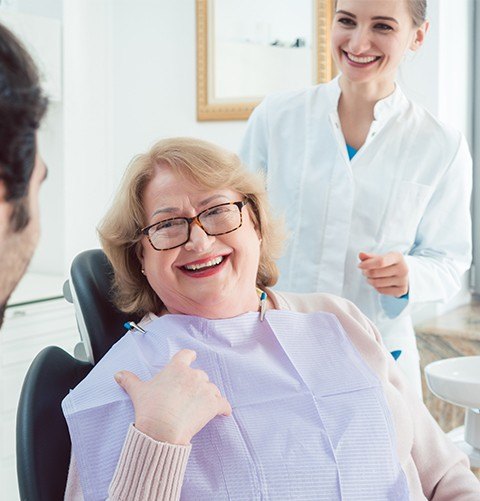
pixel 175 404
pixel 387 273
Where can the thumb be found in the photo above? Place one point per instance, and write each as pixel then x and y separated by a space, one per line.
pixel 127 380
pixel 364 255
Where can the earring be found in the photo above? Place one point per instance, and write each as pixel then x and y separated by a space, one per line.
pixel 143 272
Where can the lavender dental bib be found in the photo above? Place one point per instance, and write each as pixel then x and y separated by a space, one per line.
pixel 309 421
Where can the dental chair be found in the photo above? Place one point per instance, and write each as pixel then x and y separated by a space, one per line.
pixel 43 441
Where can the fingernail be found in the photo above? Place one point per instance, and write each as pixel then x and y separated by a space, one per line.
pixel 118 377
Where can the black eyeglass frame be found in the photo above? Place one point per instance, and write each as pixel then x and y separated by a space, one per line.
pixel 240 205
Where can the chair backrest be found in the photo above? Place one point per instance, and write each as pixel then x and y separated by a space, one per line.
pixel 43 441
pixel 100 322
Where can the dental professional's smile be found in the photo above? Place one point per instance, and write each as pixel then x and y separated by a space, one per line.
pixel 205 267
pixel 360 61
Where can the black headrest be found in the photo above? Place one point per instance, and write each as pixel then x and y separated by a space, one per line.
pixel 92 276
pixel 43 442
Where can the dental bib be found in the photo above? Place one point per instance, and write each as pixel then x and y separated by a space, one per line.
pixel 309 420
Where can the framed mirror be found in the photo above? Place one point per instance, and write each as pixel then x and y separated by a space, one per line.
pixel 249 48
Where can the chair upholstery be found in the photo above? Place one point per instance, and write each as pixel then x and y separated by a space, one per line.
pixel 43 442
pixel 100 322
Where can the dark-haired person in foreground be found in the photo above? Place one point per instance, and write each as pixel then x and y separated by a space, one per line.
pixel 22 107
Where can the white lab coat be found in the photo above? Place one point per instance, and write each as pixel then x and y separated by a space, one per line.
pixel 407 189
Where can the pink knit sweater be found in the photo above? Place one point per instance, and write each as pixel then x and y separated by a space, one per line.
pixel 434 467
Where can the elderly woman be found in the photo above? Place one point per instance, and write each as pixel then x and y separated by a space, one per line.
pixel 232 390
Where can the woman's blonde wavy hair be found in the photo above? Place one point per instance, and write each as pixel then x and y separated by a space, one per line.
pixel 205 164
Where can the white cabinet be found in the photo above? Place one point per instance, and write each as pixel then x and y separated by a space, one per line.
pixel 28 328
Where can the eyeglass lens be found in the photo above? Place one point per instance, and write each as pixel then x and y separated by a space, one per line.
pixel 215 221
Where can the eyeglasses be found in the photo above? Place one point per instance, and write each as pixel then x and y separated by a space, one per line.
pixel 174 232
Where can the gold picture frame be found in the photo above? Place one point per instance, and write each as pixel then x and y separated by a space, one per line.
pixel 323 69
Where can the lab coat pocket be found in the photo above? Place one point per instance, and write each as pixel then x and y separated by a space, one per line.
pixel 405 212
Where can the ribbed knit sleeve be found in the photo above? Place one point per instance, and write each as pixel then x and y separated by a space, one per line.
pixel 148 470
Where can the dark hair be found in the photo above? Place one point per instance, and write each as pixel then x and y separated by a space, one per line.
pixel 22 106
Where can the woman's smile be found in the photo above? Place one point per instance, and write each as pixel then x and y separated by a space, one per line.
pixel 205 267
pixel 360 61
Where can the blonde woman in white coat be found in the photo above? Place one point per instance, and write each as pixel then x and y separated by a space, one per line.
pixel 375 190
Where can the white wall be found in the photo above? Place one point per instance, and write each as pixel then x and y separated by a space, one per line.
pixel 155 78
pixel 418 75
pixel 456 49
pixel 439 76
pixel 88 120
pixel 46 8
pixel 50 253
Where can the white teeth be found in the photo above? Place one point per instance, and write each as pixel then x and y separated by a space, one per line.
pixel 362 60
pixel 207 264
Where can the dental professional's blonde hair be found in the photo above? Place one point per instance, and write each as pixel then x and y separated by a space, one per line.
pixel 204 164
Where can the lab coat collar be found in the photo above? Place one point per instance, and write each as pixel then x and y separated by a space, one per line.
pixel 394 103
pixel 383 110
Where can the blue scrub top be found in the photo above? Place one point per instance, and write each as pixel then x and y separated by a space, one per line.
pixel 351 151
